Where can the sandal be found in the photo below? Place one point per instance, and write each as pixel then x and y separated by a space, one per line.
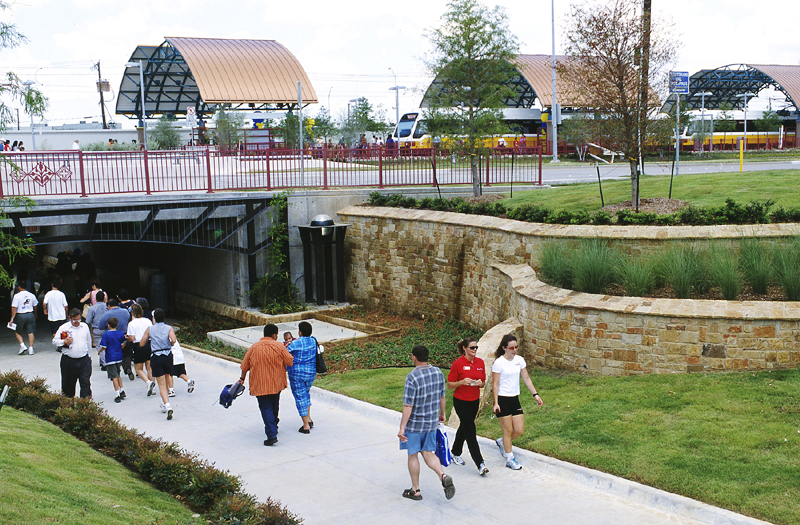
pixel 449 488
pixel 412 494
pixel 304 430
pixel 310 424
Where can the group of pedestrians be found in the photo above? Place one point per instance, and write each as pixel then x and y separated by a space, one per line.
pixel 270 363
pixel 126 334
pixel 424 406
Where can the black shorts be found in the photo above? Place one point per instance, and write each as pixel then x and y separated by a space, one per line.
pixel 179 370
pixel 141 354
pixel 161 365
pixel 509 406
pixel 55 325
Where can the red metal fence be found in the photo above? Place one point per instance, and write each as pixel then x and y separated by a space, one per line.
pixel 207 170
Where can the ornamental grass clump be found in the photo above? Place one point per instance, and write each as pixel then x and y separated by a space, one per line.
pixel 723 267
pixel 786 259
pixel 593 266
pixel 682 268
pixel 755 261
pixel 555 264
pixel 636 274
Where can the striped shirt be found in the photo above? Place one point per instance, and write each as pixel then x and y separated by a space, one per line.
pixel 267 361
pixel 424 389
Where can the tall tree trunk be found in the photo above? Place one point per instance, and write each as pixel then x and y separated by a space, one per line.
pixel 476 176
pixel 634 184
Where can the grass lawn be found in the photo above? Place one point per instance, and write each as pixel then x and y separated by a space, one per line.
pixel 731 440
pixel 49 476
pixel 780 186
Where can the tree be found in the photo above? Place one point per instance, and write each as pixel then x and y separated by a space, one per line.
pixel 230 128
pixel 769 121
pixel 323 124
pixel 362 119
pixel 473 51
pixel 33 103
pixel 164 135
pixel 579 129
pixel 617 64
pixel 725 123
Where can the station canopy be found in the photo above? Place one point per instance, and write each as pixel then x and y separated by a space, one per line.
pixel 206 73
pixel 726 83
pixel 532 81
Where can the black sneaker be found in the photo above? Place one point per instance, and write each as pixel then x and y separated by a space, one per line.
pixel 269 442
pixel 117 399
pixel 131 375
pixel 102 368
pixel 123 395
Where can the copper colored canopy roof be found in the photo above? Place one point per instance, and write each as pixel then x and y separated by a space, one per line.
pixel 537 70
pixel 244 71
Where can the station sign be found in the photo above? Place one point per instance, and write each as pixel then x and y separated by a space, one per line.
pixel 679 82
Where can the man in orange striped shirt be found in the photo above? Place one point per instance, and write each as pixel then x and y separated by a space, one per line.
pixel 267 360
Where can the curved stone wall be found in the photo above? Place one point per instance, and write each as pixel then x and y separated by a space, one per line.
pixel 477 269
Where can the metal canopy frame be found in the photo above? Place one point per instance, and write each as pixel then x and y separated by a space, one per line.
pixel 169 87
pixel 525 96
pixel 725 84
pixel 200 223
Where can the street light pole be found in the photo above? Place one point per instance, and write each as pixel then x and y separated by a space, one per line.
pixel 744 96
pixel 29 83
pixel 555 103
pixel 140 65
pixel 703 96
pixel 396 90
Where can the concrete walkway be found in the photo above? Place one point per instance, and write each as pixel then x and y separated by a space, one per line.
pixel 349 469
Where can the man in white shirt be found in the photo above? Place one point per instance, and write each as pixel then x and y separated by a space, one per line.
pixel 55 306
pixel 75 338
pixel 23 313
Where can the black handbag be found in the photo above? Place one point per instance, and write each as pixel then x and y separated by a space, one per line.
pixel 321 368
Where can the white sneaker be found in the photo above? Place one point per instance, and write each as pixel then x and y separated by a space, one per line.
pixel 482 470
pixel 457 460
pixel 22 349
pixel 163 408
pixel 171 392
pixel 151 385
pixel 191 386
pixel 169 412
pixel 30 351
pixel 512 464
pixel 499 442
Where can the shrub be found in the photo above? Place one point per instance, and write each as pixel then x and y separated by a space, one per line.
pixel 592 266
pixel 784 215
pixel 756 264
pixel 630 217
pixel 601 218
pixel 554 264
pixel 529 213
pixel 786 259
pixel 723 267
pixel 636 275
pixel 694 216
pixel 276 294
pixel 425 203
pixel 377 199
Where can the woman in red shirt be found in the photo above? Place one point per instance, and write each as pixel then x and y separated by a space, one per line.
pixel 467 376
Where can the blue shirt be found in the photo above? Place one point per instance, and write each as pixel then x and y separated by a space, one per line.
pixel 112 342
pixel 423 392
pixel 304 351
pixel 122 315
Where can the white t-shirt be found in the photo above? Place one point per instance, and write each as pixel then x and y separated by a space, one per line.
pixel 25 302
pixel 137 327
pixel 56 302
pixel 509 375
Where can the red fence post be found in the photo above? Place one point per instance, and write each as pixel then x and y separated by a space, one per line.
pixel 487 171
pixel 146 171
pixel 540 165
pixel 208 170
pixel 269 179
pixel 80 170
pixel 380 167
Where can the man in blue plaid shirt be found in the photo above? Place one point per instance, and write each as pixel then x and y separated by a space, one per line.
pixel 424 405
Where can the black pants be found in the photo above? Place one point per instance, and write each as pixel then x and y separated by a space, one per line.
pixel 127 357
pixel 76 370
pixel 467 412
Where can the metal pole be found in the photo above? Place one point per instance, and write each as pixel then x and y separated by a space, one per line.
pixel 300 118
pixel 100 89
pixel 555 102
pixel 677 134
pixel 745 121
pixel 141 85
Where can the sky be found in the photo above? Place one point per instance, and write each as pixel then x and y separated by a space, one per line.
pixel 345 46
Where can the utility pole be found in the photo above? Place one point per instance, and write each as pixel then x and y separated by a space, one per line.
pixel 644 93
pixel 100 89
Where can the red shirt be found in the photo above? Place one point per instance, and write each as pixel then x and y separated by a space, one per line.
pixel 463 368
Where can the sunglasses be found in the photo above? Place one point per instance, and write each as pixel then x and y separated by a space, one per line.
pixel 473 347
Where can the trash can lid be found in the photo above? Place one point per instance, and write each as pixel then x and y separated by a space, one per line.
pixel 322 220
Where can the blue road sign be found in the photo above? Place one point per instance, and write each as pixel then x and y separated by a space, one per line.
pixel 679 82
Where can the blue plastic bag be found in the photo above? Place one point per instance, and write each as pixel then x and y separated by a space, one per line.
pixel 443 446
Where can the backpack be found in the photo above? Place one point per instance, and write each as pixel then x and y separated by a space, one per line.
pixel 229 393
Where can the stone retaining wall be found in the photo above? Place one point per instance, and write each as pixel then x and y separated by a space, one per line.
pixel 478 270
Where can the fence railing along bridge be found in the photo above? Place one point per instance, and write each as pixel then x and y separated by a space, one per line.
pixel 203 169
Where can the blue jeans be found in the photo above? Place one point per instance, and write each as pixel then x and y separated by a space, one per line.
pixel 269 405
